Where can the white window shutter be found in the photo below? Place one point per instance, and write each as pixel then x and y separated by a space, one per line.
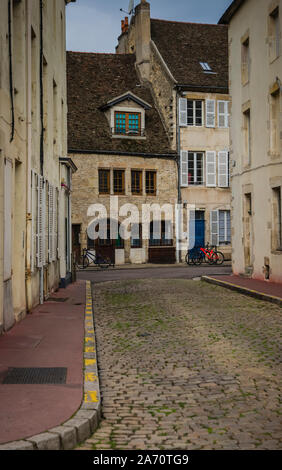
pixel 8 205
pixel 50 223
pixel 223 170
pixel 210 113
pixel 33 218
pixel 214 227
pixel 184 168
pixel 40 246
pixel 182 112
pixel 55 224
pixel 223 114
pixel 211 169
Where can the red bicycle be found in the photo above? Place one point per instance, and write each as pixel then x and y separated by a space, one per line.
pixel 208 254
pixel 213 256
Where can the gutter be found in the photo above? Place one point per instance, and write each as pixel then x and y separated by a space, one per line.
pixel 205 88
pixel 230 12
pixel 172 156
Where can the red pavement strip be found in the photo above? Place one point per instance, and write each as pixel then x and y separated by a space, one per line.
pixel 264 290
pixel 51 336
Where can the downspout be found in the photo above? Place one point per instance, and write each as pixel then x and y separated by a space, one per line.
pixel 11 70
pixel 41 269
pixel 29 215
pixel 41 92
pixel 179 198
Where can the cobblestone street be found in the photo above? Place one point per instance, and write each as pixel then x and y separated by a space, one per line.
pixel 186 365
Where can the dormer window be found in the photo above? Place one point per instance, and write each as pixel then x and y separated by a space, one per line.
pixel 127 123
pixel 126 116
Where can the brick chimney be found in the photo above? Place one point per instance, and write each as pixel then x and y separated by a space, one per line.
pixel 143 38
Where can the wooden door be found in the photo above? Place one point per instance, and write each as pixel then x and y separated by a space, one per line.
pixel 76 245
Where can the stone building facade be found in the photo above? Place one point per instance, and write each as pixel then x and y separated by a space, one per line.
pixel 33 138
pixel 185 65
pixel 118 142
pixel 255 63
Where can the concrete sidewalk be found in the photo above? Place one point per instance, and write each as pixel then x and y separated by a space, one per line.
pixel 264 290
pixel 57 334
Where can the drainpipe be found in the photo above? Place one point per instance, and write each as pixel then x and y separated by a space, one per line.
pixel 28 171
pixel 179 198
pixel 41 270
pixel 11 70
pixel 41 91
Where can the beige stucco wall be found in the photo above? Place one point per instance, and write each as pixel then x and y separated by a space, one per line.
pixel 265 169
pixel 24 150
pixel 85 193
pixel 203 139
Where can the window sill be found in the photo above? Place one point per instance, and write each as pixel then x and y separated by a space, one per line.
pixel 129 137
pixel 278 251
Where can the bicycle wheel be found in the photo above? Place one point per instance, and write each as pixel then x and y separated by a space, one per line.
pixel 188 259
pixel 218 257
pixel 85 262
pixel 197 259
pixel 104 263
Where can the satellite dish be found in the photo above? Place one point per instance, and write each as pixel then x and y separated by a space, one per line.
pixel 131 6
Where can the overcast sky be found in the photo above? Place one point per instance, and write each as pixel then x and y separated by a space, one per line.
pixel 94 25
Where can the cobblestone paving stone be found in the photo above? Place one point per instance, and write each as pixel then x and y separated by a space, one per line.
pixel 186 365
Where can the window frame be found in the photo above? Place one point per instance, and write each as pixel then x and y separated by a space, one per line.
pixel 127 130
pixel 245 60
pixel 140 183
pixel 162 241
pixel 122 172
pixel 194 108
pixel 147 186
pixel 195 162
pixel 274 34
pixel 225 213
pixel 108 172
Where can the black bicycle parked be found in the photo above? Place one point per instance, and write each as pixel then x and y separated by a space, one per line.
pixel 88 258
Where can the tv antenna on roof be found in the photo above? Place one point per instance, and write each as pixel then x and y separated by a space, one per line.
pixel 130 8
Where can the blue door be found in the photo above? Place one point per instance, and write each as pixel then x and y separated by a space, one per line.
pixel 197 229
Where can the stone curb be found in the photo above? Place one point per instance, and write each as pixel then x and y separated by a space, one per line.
pixel 244 290
pixel 86 420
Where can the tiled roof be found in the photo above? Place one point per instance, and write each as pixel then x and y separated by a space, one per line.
pixel 184 45
pixel 94 79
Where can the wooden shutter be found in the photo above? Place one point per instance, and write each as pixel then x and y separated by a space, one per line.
pixel 40 246
pixel 223 176
pixel 211 169
pixel 184 168
pixel 210 113
pixel 214 227
pixel 182 112
pixel 8 204
pixel 222 113
pixel 33 217
pixel 51 220
pixel 55 224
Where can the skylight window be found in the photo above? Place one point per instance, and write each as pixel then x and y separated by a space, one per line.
pixel 205 66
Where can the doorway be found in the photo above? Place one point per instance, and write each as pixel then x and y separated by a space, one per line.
pixel 197 228
pixel 76 245
pixel 248 235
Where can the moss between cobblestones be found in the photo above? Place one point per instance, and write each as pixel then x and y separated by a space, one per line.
pixel 208 358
